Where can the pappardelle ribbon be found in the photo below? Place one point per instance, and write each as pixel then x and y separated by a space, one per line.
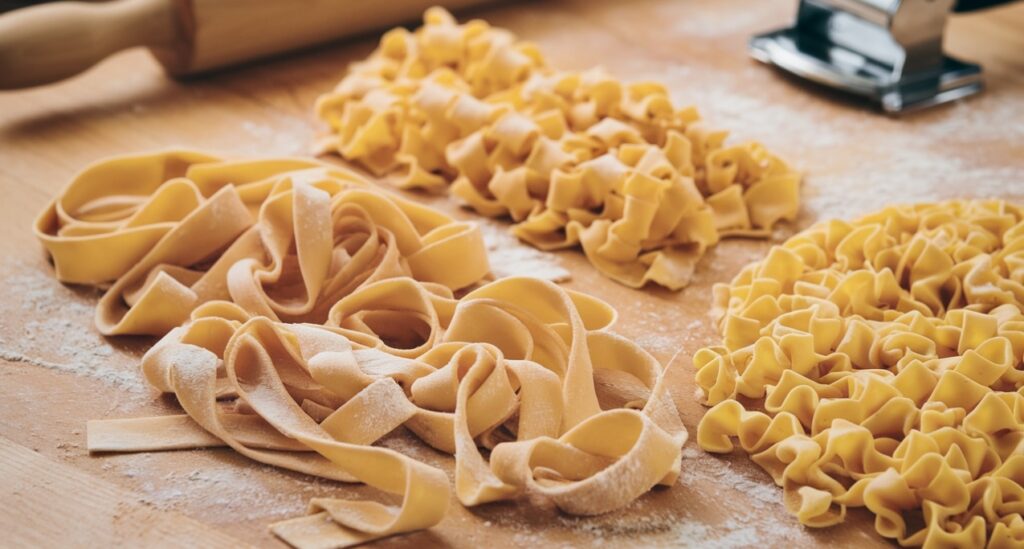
pixel 306 315
pixel 282 238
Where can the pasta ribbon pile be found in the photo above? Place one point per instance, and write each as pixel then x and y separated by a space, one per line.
pixel 282 238
pixel 888 354
pixel 306 315
pixel 574 158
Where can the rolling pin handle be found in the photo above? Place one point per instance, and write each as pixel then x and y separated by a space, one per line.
pixel 50 42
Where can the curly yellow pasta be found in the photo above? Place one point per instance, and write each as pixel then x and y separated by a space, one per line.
pixel 888 354
pixel 306 316
pixel 573 158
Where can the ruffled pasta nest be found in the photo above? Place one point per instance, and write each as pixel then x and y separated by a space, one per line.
pixel 574 158
pixel 888 354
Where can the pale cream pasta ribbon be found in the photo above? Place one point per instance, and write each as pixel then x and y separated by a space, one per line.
pixel 306 315
pixel 283 238
pixel 507 366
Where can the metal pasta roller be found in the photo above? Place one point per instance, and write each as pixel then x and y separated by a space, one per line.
pixel 887 50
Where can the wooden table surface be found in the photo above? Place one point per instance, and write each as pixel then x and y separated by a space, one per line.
pixel 57 372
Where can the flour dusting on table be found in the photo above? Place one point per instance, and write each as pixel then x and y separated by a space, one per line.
pixel 510 257
pixel 222 490
pixel 850 167
pixel 60 334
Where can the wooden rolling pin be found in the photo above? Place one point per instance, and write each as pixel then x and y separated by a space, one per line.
pixel 50 42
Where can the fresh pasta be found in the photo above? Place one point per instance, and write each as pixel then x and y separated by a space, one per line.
pixel 306 315
pixel 282 238
pixel 574 158
pixel 886 355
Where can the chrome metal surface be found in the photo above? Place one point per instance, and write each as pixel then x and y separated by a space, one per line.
pixel 887 50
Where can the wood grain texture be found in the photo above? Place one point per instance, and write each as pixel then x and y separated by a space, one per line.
pixel 56 373
pixel 65 506
pixel 56 40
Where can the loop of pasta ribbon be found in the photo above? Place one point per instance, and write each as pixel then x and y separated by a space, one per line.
pixel 305 315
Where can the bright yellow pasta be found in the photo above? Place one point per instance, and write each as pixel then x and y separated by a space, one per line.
pixel 306 315
pixel 574 158
pixel 888 354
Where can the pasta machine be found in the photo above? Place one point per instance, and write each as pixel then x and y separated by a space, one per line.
pixel 889 51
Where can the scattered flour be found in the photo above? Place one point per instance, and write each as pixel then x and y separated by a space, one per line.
pixel 654 331
pixel 222 491
pixel 708 24
pixel 53 330
pixel 660 521
pixel 730 534
pixel 700 466
pixel 657 343
pixel 122 380
pixel 760 520
pixel 857 161
pixel 509 257
pixel 287 136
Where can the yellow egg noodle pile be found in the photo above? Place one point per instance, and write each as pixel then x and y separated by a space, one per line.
pixel 305 315
pixel 572 157
pixel 888 354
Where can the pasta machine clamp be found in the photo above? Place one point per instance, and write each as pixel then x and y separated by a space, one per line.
pixel 887 50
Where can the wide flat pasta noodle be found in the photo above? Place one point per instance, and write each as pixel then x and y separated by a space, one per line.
pixel 574 158
pixel 306 315
pixel 888 354
pixel 282 238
